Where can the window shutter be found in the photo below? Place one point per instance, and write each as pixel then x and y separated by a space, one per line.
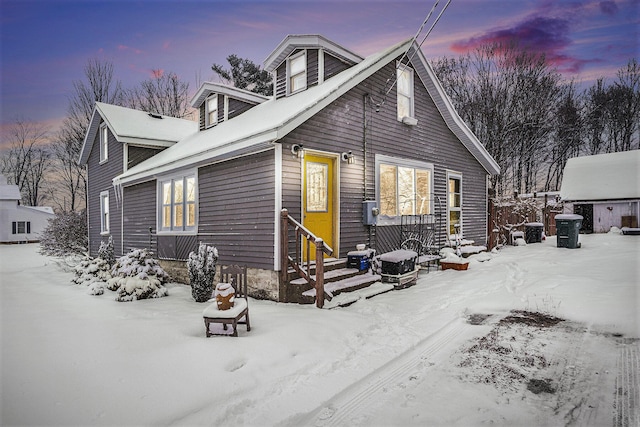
pixel 13 227
pixel 28 227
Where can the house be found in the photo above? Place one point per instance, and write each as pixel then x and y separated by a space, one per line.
pixel 20 224
pixel 604 189
pixel 339 130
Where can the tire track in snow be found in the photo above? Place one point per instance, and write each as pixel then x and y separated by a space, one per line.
pixel 627 391
pixel 354 401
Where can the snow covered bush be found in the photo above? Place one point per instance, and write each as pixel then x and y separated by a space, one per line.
pixel 106 251
pixel 66 234
pixel 202 271
pixel 94 273
pixel 137 275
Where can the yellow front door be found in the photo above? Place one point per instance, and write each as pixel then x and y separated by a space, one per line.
pixel 318 198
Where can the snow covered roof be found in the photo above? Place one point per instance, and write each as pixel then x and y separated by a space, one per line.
pixel 208 88
pixel 602 177
pixel 301 41
pixel 137 127
pixel 8 191
pixel 259 127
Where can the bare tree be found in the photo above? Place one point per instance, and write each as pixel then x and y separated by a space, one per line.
pixel 99 86
pixel 164 93
pixel 27 160
pixel 507 97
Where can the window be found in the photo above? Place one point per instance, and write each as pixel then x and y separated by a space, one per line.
pixel 297 68
pixel 212 110
pixel 454 203
pixel 405 92
pixel 404 186
pixel 178 204
pixel 21 227
pixel 104 143
pixel 104 212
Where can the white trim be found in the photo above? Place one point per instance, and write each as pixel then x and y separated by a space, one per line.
pixel 401 162
pixel 103 138
pixel 410 119
pixel 320 66
pixel 277 207
pixel 336 196
pixel 125 156
pixel 207 113
pixel 302 53
pixel 300 41
pixel 207 88
pixel 105 229
pixel 187 230
pixel 458 176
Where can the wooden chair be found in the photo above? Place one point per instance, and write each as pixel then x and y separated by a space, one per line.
pixel 237 277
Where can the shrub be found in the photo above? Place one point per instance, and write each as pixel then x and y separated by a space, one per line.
pixel 137 275
pixel 106 251
pixel 202 271
pixel 66 234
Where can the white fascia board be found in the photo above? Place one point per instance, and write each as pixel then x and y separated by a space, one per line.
pixel 208 88
pixel 199 158
pixel 292 42
pixel 144 142
pixel 487 161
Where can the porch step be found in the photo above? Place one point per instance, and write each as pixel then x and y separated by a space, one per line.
pixel 348 298
pixel 329 265
pixel 347 284
pixel 332 276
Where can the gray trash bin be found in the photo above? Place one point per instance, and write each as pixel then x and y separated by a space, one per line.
pixel 568 230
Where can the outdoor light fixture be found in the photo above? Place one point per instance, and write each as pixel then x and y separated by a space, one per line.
pixel 297 150
pixel 349 158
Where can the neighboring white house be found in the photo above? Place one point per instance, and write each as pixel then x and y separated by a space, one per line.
pixel 20 223
pixel 604 189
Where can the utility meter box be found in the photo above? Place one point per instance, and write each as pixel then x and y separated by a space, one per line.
pixel 370 212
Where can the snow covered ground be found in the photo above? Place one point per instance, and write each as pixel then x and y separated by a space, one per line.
pixel 407 357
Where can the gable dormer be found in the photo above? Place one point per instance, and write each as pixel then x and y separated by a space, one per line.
pixel 217 102
pixel 303 61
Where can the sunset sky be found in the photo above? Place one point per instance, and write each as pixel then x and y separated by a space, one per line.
pixel 46 44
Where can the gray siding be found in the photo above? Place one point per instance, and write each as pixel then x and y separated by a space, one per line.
pixel 333 66
pixel 100 176
pixel 139 202
pixel 237 107
pixel 137 155
pixel 312 67
pixel 281 81
pixel 341 126
pixel 237 208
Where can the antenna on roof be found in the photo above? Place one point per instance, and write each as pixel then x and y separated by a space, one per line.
pixel 155 115
pixel 400 63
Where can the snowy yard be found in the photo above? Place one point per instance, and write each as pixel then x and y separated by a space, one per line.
pixel 436 353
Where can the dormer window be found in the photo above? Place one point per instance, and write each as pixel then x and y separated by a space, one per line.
pixel 405 94
pixel 297 71
pixel 212 110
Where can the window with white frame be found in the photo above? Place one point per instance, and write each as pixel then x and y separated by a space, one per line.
pixel 21 227
pixel 405 91
pixel 297 72
pixel 104 143
pixel 178 204
pixel 454 203
pixel 404 186
pixel 104 212
pixel 211 110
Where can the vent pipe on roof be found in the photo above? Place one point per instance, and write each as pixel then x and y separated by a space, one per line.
pixel 155 116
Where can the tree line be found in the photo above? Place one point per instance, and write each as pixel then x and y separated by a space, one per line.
pixel 531 120
pixel 44 164
pixel 528 118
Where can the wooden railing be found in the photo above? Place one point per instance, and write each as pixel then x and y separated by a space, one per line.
pixel 301 263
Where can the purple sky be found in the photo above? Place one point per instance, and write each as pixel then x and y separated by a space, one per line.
pixel 45 44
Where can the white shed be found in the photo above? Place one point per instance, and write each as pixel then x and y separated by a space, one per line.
pixel 20 223
pixel 604 189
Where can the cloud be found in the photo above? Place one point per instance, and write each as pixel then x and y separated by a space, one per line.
pixel 608 7
pixel 124 48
